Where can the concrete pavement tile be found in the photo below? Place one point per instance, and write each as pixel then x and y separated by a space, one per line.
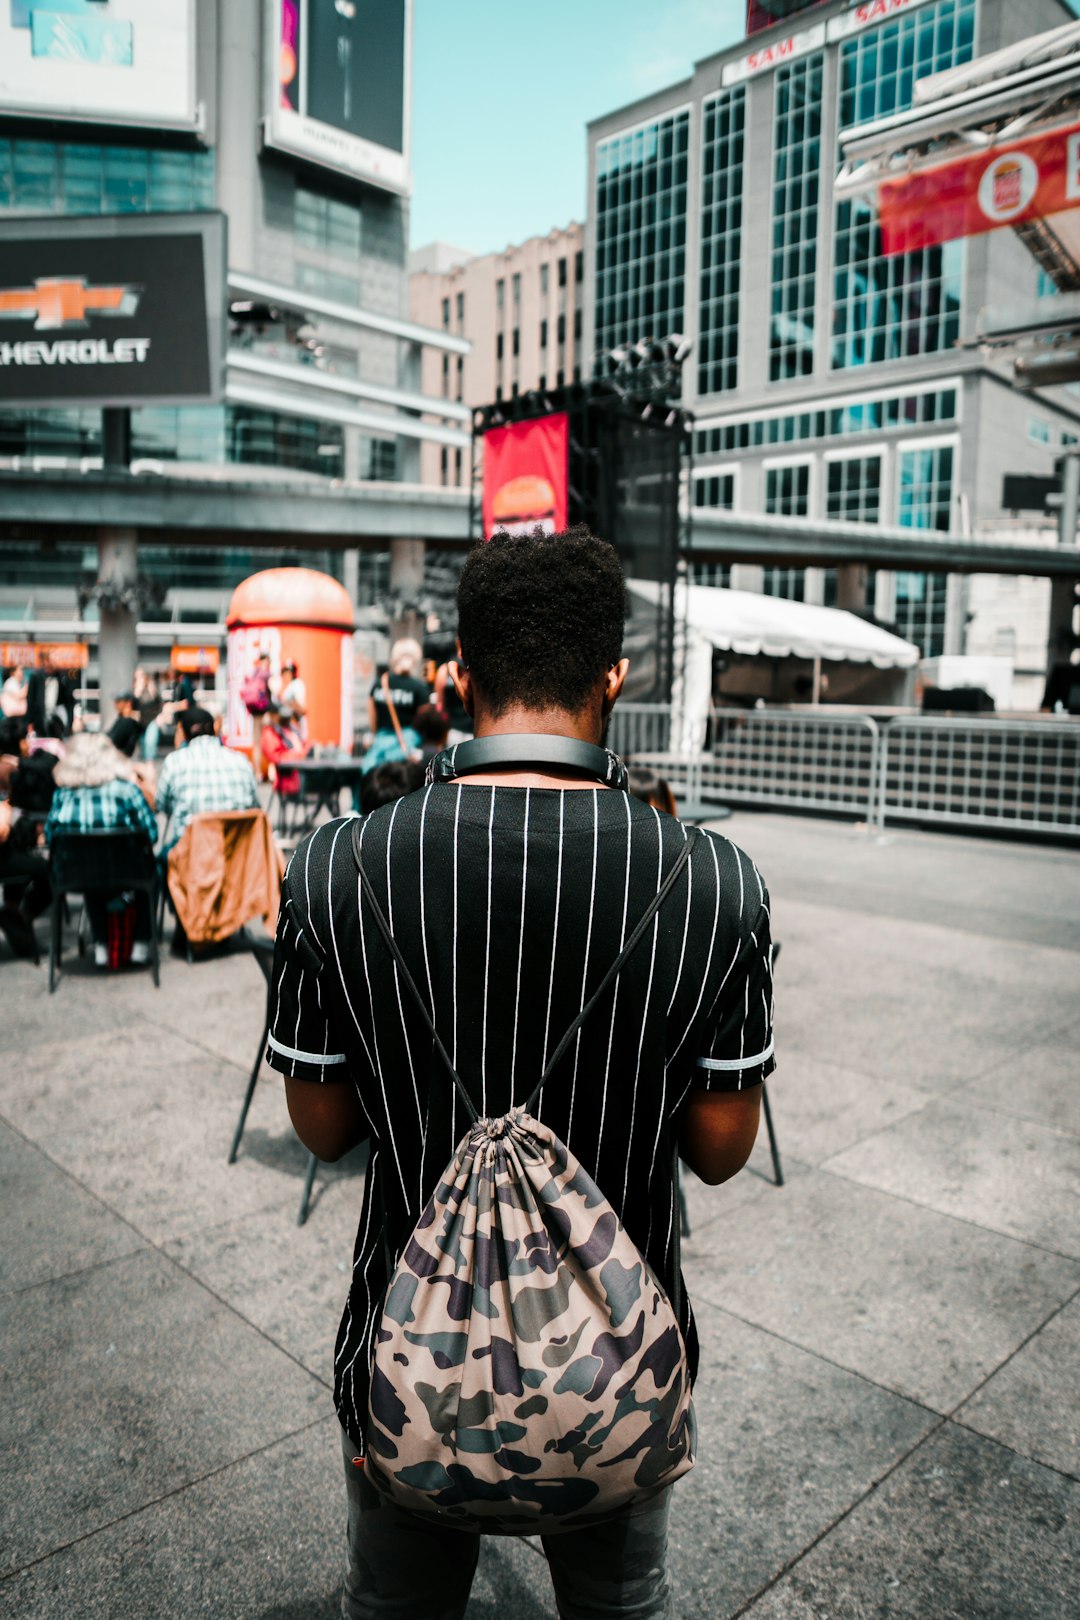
pixel 919 1302
pixel 964 1530
pixel 1006 1174
pixel 819 1108
pixel 123 1383
pixel 90 1004
pixel 92 1075
pixel 149 1133
pixel 51 1225
pixel 707 1204
pixel 786 1443
pixel 261 1540
pixel 925 1006
pixel 231 995
pixel 1041 1083
pixel 1033 1403
pixel 290 1281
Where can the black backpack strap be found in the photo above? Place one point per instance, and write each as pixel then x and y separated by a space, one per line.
pixel 619 963
pixel 612 973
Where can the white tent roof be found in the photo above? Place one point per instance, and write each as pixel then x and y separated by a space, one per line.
pixel 750 623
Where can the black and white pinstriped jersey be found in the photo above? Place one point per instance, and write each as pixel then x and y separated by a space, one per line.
pixel 510 904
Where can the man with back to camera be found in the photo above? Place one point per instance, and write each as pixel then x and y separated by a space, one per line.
pixel 511 890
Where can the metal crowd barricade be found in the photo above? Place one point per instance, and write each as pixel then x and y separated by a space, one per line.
pixel 774 758
pixel 1016 775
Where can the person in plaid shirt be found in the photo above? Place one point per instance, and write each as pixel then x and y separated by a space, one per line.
pixel 96 791
pixel 201 776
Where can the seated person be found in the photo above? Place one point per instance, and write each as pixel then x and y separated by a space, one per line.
pixel 389 782
pixel 433 728
pixel 283 741
pixel 201 776
pixel 125 730
pixel 24 873
pixel 96 791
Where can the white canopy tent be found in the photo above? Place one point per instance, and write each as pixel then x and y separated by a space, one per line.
pixel 749 624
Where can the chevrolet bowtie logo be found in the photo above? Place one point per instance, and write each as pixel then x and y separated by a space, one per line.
pixel 54 302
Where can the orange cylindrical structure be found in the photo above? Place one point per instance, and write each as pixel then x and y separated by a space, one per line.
pixel 305 616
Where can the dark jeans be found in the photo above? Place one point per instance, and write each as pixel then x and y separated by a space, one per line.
pixel 97 909
pixel 399 1567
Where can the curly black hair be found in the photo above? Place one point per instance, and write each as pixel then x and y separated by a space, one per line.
pixel 540 618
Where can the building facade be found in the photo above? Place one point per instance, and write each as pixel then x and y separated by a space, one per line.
pixel 827 379
pixel 523 313
pixel 324 364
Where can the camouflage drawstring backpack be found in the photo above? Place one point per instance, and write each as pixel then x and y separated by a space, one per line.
pixel 529 1374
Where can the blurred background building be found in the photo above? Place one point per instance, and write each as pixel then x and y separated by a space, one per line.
pixel 827 380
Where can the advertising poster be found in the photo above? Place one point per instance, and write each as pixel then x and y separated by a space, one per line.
pixel 121 61
pixel 112 311
pixel 339 85
pixel 1030 179
pixel 525 476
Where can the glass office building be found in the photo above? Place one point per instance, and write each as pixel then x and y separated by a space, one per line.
pixel 829 380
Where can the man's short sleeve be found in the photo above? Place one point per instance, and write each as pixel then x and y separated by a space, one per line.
pixel 300 1043
pixel 739 1052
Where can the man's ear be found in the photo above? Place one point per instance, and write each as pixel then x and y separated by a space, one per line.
pixel 613 684
pixel 463 681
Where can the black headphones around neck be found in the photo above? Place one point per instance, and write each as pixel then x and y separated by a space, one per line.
pixel 528 750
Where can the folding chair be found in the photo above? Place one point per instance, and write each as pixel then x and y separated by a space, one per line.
pixel 101 862
pixel 262 949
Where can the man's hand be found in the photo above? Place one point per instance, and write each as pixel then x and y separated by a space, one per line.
pixel 328 1119
pixel 717 1131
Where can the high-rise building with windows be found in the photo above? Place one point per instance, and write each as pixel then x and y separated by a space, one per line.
pixel 521 310
pixel 293 119
pixel 827 379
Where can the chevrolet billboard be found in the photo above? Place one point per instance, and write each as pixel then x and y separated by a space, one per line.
pixel 112 311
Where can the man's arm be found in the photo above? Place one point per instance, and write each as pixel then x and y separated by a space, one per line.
pixel 717 1132
pixel 328 1119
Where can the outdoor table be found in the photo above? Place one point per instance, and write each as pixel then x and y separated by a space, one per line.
pixel 321 781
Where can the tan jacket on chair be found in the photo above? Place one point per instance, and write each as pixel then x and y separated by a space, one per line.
pixel 225 870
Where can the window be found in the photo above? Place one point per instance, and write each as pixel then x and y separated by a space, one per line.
pixel 269 438
pixel 577 325
pixel 544 280
pixel 640 212
pixel 516 288
pixel 909 303
pixel 879 66
pixel 562 272
pixel 924 502
pixel 721 240
pixel 716 489
pixel 500 296
pixel 1005 641
pixel 787 494
pixel 460 392
pixel 560 329
pixel 446 376
pixel 457 467
pixel 460 306
pixel 797 163
pixel 444 464
pixel 381 458
pixel 446 314
pixel 314 278
pixel 854 416
pixel 852 495
pixel 326 224
pixel 1038 431
pixel 516 342
pixel 47 177
pixel 543 334
pixel 498 345
pixel 579 268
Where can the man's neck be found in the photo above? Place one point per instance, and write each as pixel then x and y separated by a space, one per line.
pixel 522 722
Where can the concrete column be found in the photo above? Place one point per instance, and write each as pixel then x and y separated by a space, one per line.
pixel 350 572
pixel 1061 634
pixel 407 580
pixel 118 649
pixel 851 585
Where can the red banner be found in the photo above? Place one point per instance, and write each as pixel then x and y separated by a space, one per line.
pixel 525 476
pixel 1029 179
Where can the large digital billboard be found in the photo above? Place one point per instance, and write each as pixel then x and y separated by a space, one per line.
pixel 125 310
pixel 526 476
pixel 339 73
pixel 117 61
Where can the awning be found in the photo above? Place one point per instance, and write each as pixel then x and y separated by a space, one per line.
pixel 752 624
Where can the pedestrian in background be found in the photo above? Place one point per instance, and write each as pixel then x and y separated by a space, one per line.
pixel 395 699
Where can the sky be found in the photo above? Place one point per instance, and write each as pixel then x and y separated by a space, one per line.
pixel 503 89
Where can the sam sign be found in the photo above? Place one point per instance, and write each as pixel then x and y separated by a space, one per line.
pixel 525 476
pixel 1028 179
pixel 126 311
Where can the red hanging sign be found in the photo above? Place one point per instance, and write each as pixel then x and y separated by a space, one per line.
pixel 525 476
pixel 1028 179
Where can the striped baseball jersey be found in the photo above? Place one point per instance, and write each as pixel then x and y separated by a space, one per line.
pixel 509 905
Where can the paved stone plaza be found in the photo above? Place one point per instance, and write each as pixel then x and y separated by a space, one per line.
pixel 889 1400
